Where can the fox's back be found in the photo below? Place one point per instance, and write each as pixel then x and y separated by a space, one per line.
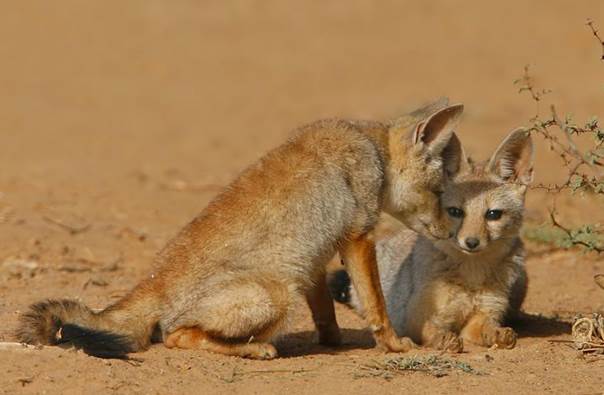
pixel 292 206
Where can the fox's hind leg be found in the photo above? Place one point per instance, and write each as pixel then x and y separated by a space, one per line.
pixel 238 317
pixel 197 338
pixel 323 313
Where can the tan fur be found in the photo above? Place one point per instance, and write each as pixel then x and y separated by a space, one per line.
pixel 443 292
pixel 190 338
pixel 227 282
pixel 367 283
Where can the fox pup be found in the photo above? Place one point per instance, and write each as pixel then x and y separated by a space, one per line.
pixel 226 283
pixel 442 292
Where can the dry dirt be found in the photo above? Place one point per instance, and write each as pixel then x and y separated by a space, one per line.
pixel 120 120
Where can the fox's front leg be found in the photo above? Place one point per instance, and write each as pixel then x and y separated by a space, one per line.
pixel 360 260
pixel 486 331
pixel 323 314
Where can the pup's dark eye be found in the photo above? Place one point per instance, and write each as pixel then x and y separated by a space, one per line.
pixel 455 212
pixel 493 215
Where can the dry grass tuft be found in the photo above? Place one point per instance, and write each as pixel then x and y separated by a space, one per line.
pixel 433 365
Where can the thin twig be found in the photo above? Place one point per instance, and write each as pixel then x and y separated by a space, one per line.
pixel 572 157
pixel 70 228
pixel 590 23
pixel 560 341
pixel 551 187
pixel 574 241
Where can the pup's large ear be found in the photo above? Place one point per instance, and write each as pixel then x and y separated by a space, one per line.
pixel 454 157
pixel 435 135
pixel 435 132
pixel 513 160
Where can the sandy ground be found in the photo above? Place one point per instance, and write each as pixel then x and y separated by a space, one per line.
pixel 120 120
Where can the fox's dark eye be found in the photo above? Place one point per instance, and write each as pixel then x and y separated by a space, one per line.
pixel 455 212
pixel 493 215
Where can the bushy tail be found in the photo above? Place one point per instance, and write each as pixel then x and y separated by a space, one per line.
pixel 340 286
pixel 112 333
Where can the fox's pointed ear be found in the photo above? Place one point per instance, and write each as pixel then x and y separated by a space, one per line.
pixel 454 157
pixel 513 159
pixel 436 131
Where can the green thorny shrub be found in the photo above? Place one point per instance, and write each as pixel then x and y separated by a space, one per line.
pixel 585 167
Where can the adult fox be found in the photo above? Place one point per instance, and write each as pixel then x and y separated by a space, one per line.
pixel 227 282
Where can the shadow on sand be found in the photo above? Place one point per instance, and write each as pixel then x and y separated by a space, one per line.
pixel 535 325
pixel 305 343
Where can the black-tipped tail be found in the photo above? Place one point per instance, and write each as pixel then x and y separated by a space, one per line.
pixel 57 322
pixel 98 343
pixel 339 286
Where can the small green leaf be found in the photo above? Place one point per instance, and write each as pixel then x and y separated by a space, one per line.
pixel 576 182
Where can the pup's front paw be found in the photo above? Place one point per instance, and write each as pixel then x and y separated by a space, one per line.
pixel 447 341
pixel 505 337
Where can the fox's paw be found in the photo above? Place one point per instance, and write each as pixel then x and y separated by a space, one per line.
pixel 398 344
pixel 450 342
pixel 259 351
pixel 505 337
pixel 447 341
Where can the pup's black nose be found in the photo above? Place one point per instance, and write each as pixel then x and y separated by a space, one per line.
pixel 472 242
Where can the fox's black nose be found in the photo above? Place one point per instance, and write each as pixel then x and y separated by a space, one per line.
pixel 472 242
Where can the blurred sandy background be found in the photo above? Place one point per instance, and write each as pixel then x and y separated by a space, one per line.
pixel 123 118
